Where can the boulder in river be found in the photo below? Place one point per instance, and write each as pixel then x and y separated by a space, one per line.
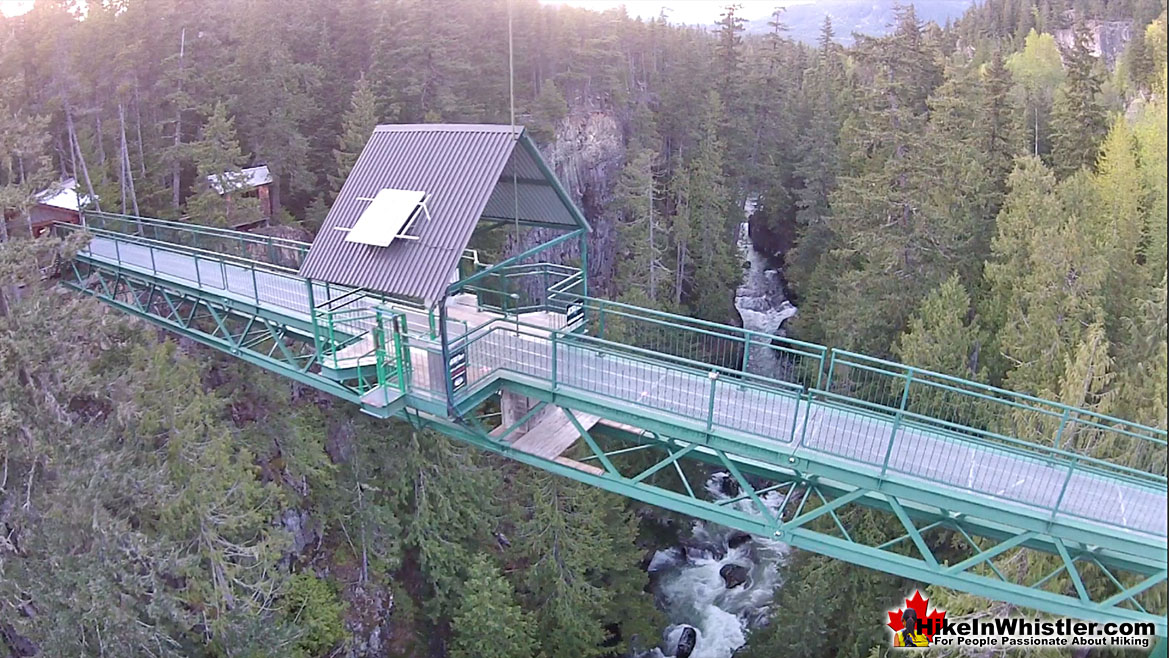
pixel 686 642
pixel 729 485
pixel 737 539
pixel 733 575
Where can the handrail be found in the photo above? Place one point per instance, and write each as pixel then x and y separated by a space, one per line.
pixel 988 387
pixel 650 356
pixel 196 228
pixel 542 363
pixel 173 247
pixel 960 432
pixel 668 317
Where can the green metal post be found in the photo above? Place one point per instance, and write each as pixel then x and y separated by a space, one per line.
pixel 897 422
pixel 332 338
pixel 554 355
pixel 601 321
pixel 379 348
pixel 1064 489
pixel 255 286
pixel 710 408
pixel 1062 423
pixel 153 267
pixel 198 276
pixel 312 311
pixel 402 350
pixel 746 349
pixel 584 263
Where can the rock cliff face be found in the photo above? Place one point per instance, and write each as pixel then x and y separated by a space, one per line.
pixel 1108 39
pixel 587 155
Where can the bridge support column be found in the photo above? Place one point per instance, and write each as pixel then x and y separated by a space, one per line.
pixel 513 406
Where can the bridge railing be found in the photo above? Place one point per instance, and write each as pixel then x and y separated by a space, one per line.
pixel 731 349
pixel 526 287
pixel 262 248
pixel 884 438
pixel 711 396
pixel 1056 481
pixel 247 280
pixel 997 415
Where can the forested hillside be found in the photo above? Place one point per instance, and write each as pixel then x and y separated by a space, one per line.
pixel 985 199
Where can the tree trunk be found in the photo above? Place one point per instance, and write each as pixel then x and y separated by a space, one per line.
pixel 177 167
pixel 101 147
pixel 127 167
pixel 138 129
pixel 80 158
pixel 274 199
pixel 653 270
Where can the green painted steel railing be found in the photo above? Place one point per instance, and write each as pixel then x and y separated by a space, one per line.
pixel 526 288
pixel 996 415
pixel 365 345
pixel 244 279
pixel 262 248
pixel 888 439
pixel 729 348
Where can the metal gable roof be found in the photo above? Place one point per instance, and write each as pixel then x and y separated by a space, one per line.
pixel 459 166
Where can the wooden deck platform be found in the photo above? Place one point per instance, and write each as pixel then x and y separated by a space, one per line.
pixel 552 435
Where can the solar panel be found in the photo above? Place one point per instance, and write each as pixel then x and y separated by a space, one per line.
pixel 387 214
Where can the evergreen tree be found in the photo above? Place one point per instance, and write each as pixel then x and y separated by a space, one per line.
pixel 357 126
pixel 941 336
pixel 1038 71
pixel 548 110
pixel 729 84
pixel 706 268
pixel 25 167
pixel 1078 120
pixel 999 122
pixel 488 623
pixel 643 273
pixel 570 537
pixel 220 180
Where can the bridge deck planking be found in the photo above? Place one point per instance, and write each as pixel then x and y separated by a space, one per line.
pixel 996 474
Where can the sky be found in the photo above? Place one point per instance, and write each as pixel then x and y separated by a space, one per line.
pixel 689 12
pixel 14 7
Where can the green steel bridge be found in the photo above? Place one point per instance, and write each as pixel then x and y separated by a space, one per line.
pixel 519 360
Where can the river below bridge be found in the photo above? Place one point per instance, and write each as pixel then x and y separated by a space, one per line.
pixel 686 579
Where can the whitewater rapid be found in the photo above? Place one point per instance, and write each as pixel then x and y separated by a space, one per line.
pixel 686 580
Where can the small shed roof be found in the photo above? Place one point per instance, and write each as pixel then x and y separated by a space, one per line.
pixel 252 177
pixel 62 195
pixel 466 171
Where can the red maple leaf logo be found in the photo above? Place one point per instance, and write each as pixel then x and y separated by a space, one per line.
pixel 931 622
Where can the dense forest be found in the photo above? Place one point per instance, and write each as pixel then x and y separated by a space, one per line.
pixel 985 199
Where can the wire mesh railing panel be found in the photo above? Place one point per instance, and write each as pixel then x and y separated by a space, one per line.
pixel 766 412
pixel 266 249
pixel 721 346
pixel 995 415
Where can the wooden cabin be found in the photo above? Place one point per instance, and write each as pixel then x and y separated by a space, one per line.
pixel 257 184
pixel 59 203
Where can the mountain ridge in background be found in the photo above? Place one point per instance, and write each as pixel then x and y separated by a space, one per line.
pixel 848 16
